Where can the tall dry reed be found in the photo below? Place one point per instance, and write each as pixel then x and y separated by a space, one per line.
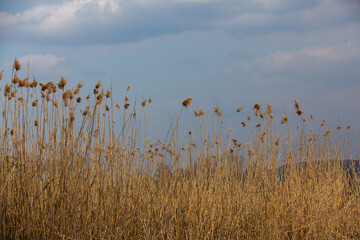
pixel 83 169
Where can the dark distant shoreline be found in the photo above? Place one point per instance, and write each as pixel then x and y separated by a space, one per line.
pixel 350 167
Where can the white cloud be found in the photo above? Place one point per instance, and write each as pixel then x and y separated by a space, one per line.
pixel 41 61
pixel 45 67
pixel 51 18
pixel 7 19
pixel 326 12
pixel 165 2
pixel 115 21
pixel 103 4
pixel 248 20
pixel 270 4
pixel 313 55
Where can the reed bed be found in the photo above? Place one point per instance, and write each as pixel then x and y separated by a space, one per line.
pixel 73 168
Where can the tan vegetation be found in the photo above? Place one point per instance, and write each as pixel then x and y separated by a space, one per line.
pixel 73 169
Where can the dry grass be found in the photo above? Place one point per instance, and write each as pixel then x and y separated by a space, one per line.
pixel 67 173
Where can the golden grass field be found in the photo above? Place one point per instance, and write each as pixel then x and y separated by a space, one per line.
pixel 73 168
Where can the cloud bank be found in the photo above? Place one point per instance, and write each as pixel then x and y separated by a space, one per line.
pixel 120 21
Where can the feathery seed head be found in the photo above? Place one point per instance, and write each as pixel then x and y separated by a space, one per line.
pixel 187 102
pixel 72 116
pixel 7 89
pixel 71 94
pixel 269 109
pixel 80 84
pixel 323 122
pixel 68 94
pixel 239 109
pixel 86 111
pixel 108 93
pixel 65 95
pixel 76 90
pixel 150 100
pixel 126 105
pixel 327 134
pixel 299 112
pixel 25 82
pixel 217 111
pixel 55 103
pixel 277 141
pixel 51 87
pixel 43 87
pixel 16 79
pixel 34 83
pixel 1 75
pixel 128 88
pixel 249 117
pixel 62 83
pixel 13 94
pixel 100 97
pixel 284 119
pixel 98 84
pixel 16 65
pixel 257 106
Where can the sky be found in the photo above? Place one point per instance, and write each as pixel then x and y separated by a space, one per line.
pixel 226 53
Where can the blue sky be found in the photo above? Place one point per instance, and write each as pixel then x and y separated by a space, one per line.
pixel 228 53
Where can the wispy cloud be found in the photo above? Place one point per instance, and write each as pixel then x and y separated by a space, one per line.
pixel 307 58
pixel 248 20
pixel 52 18
pixel 45 67
pixel 119 21
pixel 7 19
pixel 42 61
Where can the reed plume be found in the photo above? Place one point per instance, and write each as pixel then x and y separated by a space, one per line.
pixel 187 102
pixel 16 65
